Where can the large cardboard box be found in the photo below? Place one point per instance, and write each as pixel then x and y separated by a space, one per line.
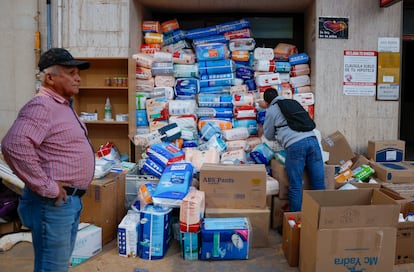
pixel 395 172
pixel 259 220
pixel 88 243
pixel 348 230
pixel 404 252
pixel 386 150
pixel 104 204
pixel 291 239
pixel 278 208
pixel 279 173
pixel 234 186
pixel 338 147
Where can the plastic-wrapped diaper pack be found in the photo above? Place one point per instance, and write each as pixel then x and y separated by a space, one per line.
pixel 174 185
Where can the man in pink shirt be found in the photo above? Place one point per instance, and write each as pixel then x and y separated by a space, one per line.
pixel 48 148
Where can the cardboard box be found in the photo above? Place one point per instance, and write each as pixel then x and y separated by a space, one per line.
pixel 128 238
pixel 279 173
pixel 291 238
pixel 104 204
pixel 348 230
pixel 386 151
pixel 88 243
pixel 278 207
pixel 225 239
pixel 404 252
pixel 234 186
pixel 338 148
pixel 395 172
pixel 259 220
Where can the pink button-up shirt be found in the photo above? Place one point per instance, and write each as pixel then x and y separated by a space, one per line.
pixel 47 144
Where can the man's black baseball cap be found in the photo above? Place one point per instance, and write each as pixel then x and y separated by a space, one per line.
pixel 60 56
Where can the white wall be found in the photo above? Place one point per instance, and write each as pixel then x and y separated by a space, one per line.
pixel 18 59
pixel 112 28
pixel 359 118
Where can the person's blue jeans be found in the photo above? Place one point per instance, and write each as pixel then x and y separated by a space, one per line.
pixel 304 153
pixel 54 229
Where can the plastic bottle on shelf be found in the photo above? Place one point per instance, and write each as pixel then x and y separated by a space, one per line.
pixel 401 218
pixel 108 110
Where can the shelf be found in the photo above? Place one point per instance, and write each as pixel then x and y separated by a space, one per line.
pixel 94 91
pixel 103 122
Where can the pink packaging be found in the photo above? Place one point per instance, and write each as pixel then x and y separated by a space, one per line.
pixel 143 60
pixel 238 34
pixel 164 81
pixel 299 81
pixel 192 210
pixel 236 144
pixel 197 157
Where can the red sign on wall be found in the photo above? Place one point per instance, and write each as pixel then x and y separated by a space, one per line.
pixel 387 3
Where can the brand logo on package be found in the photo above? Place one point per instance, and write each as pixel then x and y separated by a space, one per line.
pixel 217 180
pixel 357 264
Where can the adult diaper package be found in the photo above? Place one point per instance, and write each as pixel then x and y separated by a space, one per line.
pixel 174 185
pixel 225 238
pixel 154 232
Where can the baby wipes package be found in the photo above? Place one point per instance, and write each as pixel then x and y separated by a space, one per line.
pixel 173 185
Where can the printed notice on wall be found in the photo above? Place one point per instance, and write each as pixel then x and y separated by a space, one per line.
pixel 360 72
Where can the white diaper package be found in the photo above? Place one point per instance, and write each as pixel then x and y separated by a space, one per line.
pixel 240 133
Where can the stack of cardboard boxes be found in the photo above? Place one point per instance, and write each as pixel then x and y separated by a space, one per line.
pixel 237 191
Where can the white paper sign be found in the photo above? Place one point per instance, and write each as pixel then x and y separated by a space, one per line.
pixel 360 72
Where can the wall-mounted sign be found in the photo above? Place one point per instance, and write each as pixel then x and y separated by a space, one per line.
pixel 333 28
pixel 388 44
pixel 387 3
pixel 388 76
pixel 360 72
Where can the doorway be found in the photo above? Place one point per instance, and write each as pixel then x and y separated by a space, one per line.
pixel 407 99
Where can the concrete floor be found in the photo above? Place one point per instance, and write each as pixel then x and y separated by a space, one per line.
pixel 20 258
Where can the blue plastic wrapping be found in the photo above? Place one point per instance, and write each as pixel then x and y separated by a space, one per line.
pixel 186 86
pixel 217 80
pixel 232 26
pixel 212 51
pixel 215 100
pixel 215 67
pixel 209 39
pixel 298 59
pixel 201 32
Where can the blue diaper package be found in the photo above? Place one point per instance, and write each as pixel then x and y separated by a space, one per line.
pixel 262 154
pixel 282 66
pixel 165 153
pixel 250 124
pixel 209 39
pixel 215 112
pixel 225 238
pixel 212 51
pixel 215 67
pixel 298 59
pixel 173 185
pixel 152 167
pixel 154 232
pixel 186 86
pixel 201 32
pixel 173 36
pixel 245 72
pixel 232 26
pixel 217 80
pixel 215 89
pixel 223 100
